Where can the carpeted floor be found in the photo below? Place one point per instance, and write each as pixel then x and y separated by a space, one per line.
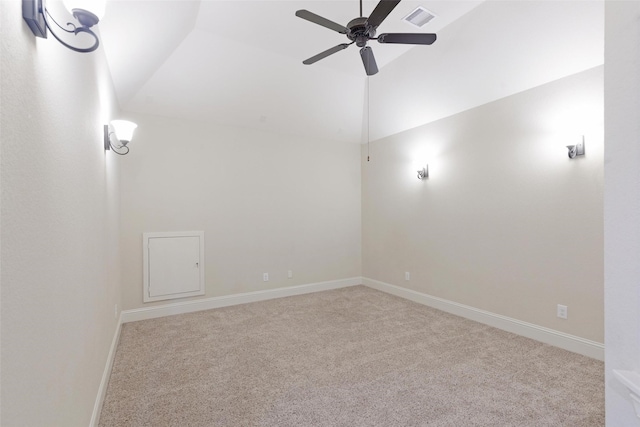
pixel 348 357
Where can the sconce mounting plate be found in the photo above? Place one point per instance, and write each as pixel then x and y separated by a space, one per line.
pixel 107 142
pixel 32 12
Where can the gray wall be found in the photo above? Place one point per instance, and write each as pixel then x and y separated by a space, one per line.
pixel 59 219
pixel 506 221
pixel 267 203
pixel 622 204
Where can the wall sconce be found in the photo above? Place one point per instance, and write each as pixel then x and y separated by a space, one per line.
pixel 576 150
pixel 123 132
pixel 423 173
pixel 87 13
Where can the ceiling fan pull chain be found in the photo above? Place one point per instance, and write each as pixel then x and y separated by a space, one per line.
pixel 368 119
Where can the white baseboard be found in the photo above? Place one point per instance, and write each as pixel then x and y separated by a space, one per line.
pixel 225 301
pixel 104 382
pixel 569 342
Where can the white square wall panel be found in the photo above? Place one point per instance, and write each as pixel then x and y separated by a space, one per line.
pixel 173 265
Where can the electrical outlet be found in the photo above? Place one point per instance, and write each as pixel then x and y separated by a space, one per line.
pixel 115 314
pixel 562 311
pixel 407 275
pixel 290 274
pixel 265 277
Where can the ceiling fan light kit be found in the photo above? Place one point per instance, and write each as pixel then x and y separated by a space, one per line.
pixel 362 29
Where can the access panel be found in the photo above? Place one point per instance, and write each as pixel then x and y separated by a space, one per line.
pixel 173 265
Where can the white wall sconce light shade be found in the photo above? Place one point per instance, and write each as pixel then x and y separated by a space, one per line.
pixel 122 131
pixel 576 150
pixel 87 12
pixel 423 173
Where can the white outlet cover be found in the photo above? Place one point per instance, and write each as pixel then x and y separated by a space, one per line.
pixel 562 311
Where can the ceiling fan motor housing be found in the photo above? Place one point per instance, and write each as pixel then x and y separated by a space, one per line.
pixel 359 32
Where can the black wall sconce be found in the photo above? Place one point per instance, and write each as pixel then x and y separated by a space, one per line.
pixel 38 18
pixel 576 150
pixel 123 132
pixel 423 173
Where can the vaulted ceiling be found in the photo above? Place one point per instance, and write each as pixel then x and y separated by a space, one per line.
pixel 240 62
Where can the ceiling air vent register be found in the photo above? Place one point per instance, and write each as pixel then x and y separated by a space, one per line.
pixel 419 17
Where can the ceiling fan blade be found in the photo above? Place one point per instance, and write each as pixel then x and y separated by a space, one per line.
pixel 381 11
pixel 369 61
pixel 326 53
pixel 407 38
pixel 317 19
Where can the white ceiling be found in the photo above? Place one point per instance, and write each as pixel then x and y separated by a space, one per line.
pixel 240 62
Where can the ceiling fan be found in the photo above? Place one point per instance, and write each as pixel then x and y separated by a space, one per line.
pixel 362 29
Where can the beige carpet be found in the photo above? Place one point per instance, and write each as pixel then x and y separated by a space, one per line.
pixel 348 357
